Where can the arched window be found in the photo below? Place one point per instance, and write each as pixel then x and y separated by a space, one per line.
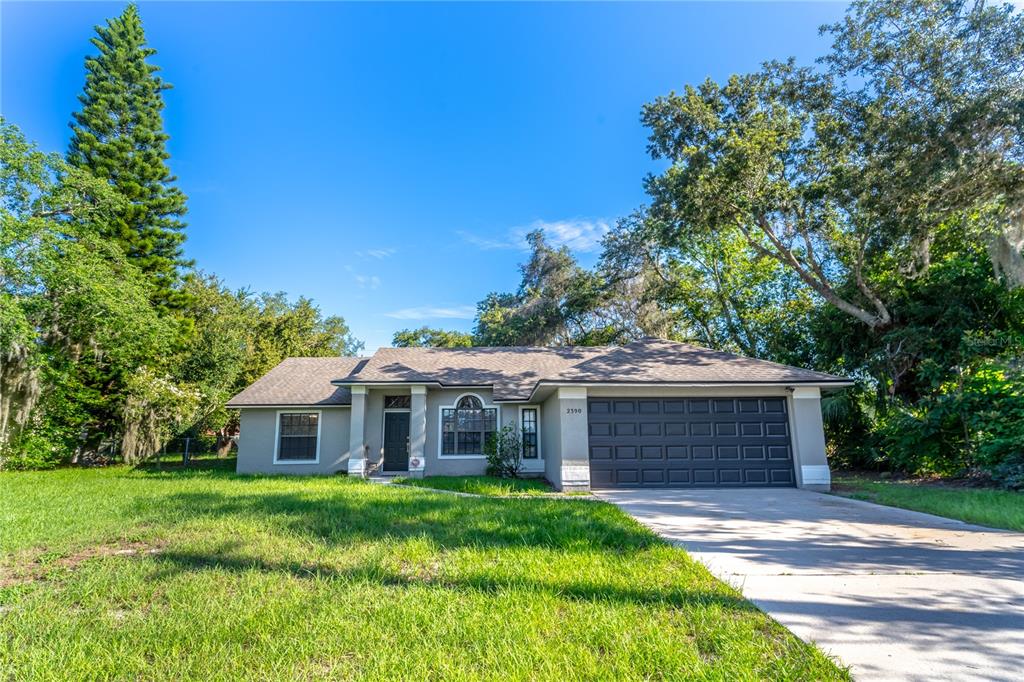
pixel 470 402
pixel 467 426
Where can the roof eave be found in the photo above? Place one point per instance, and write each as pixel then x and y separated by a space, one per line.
pixel 237 406
pixel 820 383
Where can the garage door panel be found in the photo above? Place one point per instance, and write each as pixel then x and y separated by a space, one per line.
pixel 680 476
pixel 627 452
pixel 690 442
pixel 703 451
pixel 700 429
pixel 627 476
pixel 754 452
pixel 727 452
pixel 650 429
pixel 677 452
pixel 649 406
pixel 752 429
pixel 698 406
pixel 656 476
pixel 625 429
pixel 756 476
pixel 726 429
pixel 730 476
pixel 783 476
pixel 705 476
pixel 675 429
pixel 650 452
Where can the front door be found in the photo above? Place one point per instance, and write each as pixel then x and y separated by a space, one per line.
pixel 396 441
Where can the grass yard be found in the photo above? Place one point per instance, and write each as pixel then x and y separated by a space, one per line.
pixel 204 575
pixel 481 485
pixel 984 506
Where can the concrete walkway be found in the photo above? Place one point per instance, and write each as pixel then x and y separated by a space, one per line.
pixel 897 595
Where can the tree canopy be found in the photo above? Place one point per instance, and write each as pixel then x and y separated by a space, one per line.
pixel 118 136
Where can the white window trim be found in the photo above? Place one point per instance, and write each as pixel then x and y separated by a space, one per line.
pixel 519 426
pixel 440 424
pixel 277 437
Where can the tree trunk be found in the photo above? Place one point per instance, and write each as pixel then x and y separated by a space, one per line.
pixel 1006 248
pixel 224 443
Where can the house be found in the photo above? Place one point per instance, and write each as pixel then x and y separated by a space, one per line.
pixel 649 413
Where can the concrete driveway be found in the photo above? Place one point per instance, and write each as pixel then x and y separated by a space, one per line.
pixel 894 594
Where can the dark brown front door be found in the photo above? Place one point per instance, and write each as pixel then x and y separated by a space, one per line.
pixel 396 441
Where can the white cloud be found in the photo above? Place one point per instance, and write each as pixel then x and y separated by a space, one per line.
pixel 378 254
pixel 367 281
pixel 363 281
pixel 488 244
pixel 579 235
pixel 426 312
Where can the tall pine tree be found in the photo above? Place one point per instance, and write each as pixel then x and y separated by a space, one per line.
pixel 119 137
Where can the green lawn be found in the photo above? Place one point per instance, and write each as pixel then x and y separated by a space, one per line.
pixel 204 575
pixel 987 507
pixel 481 485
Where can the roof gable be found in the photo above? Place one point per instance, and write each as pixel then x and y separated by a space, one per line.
pixel 300 381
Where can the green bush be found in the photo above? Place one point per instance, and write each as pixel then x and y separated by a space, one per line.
pixel 34 449
pixel 504 451
pixel 973 424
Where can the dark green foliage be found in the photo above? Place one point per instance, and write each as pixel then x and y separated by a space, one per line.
pixel 558 303
pixel 119 137
pixel 426 337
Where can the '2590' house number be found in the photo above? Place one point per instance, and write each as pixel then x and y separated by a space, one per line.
pixel 574 410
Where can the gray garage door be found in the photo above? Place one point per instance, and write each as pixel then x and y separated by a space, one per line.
pixel 689 442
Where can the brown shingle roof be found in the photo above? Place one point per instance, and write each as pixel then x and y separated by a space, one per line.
pixel 300 381
pixel 515 371
pixel 661 361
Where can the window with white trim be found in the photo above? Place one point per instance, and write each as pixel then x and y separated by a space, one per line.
pixel 528 432
pixel 297 434
pixel 467 426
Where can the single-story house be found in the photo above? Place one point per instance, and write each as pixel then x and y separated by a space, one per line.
pixel 649 413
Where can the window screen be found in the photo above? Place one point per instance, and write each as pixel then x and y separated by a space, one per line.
pixel 466 427
pixel 297 441
pixel 528 428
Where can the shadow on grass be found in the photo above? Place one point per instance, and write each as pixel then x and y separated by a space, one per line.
pixel 356 512
pixel 199 465
pixel 672 596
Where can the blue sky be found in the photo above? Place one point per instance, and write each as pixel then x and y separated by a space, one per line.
pixel 386 159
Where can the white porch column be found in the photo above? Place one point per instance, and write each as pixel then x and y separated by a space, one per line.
pixel 572 416
pixel 417 430
pixel 812 470
pixel 357 433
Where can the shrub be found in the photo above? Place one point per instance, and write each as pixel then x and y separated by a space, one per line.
pixel 504 451
pixel 973 424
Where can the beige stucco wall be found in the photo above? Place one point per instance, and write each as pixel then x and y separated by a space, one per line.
pixel 258 430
